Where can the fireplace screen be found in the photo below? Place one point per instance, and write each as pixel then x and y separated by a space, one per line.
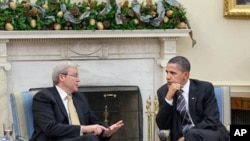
pixel 113 103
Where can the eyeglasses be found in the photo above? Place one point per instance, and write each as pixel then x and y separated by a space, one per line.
pixel 72 75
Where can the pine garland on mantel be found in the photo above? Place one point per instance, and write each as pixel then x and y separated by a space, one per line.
pixel 91 15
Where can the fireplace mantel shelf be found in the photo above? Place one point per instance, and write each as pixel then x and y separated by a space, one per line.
pixel 64 34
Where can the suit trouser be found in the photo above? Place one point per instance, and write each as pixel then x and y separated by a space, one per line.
pixel 205 135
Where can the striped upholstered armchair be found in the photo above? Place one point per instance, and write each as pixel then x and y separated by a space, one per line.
pixel 223 97
pixel 21 108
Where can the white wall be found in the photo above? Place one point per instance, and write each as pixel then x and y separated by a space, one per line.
pixel 222 49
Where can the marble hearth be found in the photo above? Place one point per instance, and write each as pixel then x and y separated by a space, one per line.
pixel 105 57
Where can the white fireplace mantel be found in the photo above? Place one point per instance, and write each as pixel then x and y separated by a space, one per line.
pixel 166 38
pixel 143 54
pixel 94 34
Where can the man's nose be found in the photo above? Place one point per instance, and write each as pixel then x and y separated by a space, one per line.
pixel 168 77
pixel 78 79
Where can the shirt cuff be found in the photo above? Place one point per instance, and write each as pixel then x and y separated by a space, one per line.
pixel 170 102
pixel 81 129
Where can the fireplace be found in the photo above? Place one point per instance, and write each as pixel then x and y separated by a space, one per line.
pixel 105 58
pixel 240 110
pixel 113 103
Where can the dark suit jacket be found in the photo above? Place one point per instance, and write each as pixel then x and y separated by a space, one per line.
pixel 203 109
pixel 51 121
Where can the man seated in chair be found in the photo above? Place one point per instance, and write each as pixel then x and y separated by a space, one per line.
pixel 61 113
pixel 187 106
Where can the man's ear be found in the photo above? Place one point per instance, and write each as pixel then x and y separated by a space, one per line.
pixel 186 74
pixel 61 77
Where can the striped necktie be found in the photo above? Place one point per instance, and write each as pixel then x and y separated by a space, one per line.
pixel 181 108
pixel 74 120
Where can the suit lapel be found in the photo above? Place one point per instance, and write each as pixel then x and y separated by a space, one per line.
pixel 59 102
pixel 192 99
pixel 75 99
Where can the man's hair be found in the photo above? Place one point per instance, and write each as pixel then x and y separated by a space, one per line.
pixel 182 62
pixel 61 68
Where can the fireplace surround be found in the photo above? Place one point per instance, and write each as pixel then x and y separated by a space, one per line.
pixel 106 58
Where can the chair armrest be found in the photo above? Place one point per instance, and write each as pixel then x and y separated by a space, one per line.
pixel 228 128
pixel 21 139
pixel 164 135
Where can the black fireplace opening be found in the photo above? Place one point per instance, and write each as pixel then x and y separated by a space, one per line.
pixel 240 117
pixel 113 103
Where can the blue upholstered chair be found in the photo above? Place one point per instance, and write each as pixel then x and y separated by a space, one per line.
pixel 222 94
pixel 21 108
pixel 223 97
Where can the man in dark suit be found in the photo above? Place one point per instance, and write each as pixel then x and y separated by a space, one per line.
pixel 52 121
pixel 201 109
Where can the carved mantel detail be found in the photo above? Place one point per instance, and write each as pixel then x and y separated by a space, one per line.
pixel 47 45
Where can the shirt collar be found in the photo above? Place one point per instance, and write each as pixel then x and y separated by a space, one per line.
pixel 62 93
pixel 186 87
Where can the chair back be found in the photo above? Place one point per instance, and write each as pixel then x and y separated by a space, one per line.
pixel 21 108
pixel 223 97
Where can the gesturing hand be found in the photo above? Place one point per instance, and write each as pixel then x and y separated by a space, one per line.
pixel 95 129
pixel 113 128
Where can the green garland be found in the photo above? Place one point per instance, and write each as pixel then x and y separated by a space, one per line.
pixel 91 15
